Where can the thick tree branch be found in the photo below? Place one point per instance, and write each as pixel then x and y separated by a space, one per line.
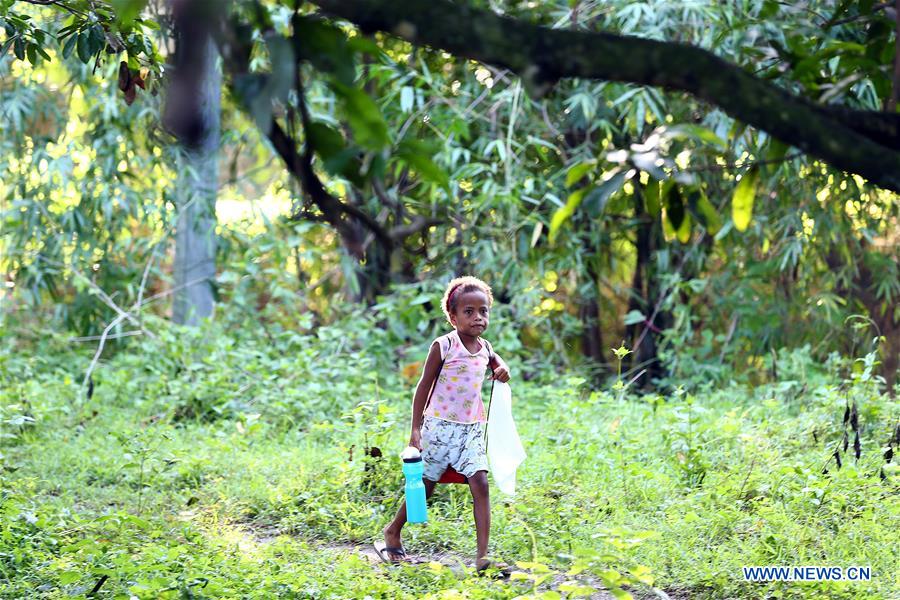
pixel 541 55
pixel 235 44
pixel 62 5
pixel 880 127
pixel 333 209
pixel 895 88
pixel 418 223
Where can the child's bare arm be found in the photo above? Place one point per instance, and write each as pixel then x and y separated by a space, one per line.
pixel 500 368
pixel 423 389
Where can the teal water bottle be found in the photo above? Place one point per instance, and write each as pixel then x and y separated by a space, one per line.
pixel 416 510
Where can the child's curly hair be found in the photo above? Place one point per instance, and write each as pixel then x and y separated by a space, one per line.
pixel 460 286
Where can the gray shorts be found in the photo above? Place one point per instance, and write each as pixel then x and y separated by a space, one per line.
pixel 457 445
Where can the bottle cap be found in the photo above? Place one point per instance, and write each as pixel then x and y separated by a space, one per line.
pixel 411 454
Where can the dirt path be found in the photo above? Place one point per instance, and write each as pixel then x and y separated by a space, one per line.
pixel 262 534
pixel 459 564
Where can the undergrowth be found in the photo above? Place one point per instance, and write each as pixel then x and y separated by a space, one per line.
pixel 205 464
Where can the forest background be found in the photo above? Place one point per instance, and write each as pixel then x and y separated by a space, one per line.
pixel 226 232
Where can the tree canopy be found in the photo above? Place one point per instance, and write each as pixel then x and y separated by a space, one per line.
pixel 620 149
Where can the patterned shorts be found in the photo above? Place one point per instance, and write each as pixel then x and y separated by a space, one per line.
pixel 458 445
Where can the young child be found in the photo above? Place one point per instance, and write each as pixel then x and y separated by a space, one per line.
pixel 448 415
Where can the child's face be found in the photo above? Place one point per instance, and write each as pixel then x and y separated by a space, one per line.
pixel 471 314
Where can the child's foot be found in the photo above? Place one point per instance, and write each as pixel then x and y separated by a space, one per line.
pixel 393 547
pixel 499 570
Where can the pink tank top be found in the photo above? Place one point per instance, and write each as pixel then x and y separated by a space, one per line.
pixel 457 392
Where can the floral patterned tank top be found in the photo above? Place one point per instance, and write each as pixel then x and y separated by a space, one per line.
pixel 456 395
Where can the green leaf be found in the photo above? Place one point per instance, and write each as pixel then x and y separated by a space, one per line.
pixel 563 213
pixel 84 46
pixel 596 200
pixel 42 52
pixel 742 201
pixel 407 98
pixel 348 164
pixel 416 154
pixel 642 574
pixel 97 39
pixel 676 221
pixel 127 11
pixel 674 204
pixel 19 48
pixel 683 233
pixel 577 172
pixel 768 10
pixel 67 577
pixel 775 154
pixel 575 589
pixel 737 130
pixel 369 129
pixel 281 57
pixel 634 317
pixel 325 46
pixel 6 46
pixel 695 132
pixel 704 211
pixel 359 43
pixel 252 91
pixel 325 140
pixel 620 594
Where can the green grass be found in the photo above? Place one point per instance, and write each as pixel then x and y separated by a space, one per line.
pixel 257 501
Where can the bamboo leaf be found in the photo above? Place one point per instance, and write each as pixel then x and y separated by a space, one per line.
pixel 705 213
pixel 742 201
pixel 577 172
pixel 597 199
pixel 563 213
pixel 417 155
pixel 366 121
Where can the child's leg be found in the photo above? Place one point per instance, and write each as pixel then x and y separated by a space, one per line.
pixel 478 485
pixel 392 531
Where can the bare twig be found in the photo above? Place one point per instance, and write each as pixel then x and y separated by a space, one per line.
pixel 90 369
pixel 110 302
pixel 743 164
pixel 62 5
pixel 115 336
pixel 731 330
pixel 747 478
pixel 876 8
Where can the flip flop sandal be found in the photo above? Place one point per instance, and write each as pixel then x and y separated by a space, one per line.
pixel 496 569
pixel 384 551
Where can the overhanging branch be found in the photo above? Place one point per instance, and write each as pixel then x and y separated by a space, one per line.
pixel 333 209
pixel 235 43
pixel 540 54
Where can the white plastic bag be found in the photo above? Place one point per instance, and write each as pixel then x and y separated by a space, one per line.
pixel 504 448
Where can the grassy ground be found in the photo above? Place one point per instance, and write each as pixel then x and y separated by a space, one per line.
pixel 144 494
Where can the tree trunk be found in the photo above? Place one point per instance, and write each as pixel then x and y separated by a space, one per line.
pixel 591 335
pixel 592 346
pixel 861 290
pixel 195 241
pixel 373 276
pixel 644 296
